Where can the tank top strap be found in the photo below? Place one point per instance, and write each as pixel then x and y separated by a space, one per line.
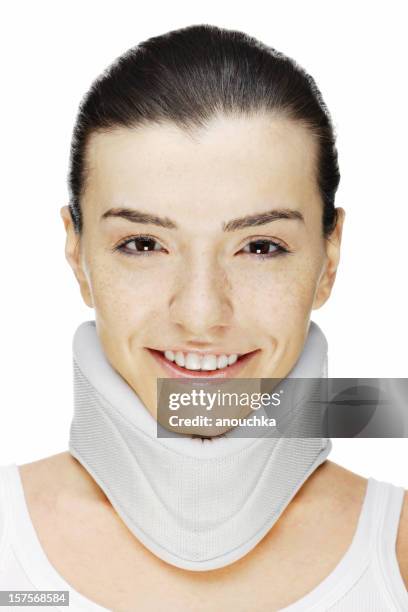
pixel 384 513
pixel 377 526
pixel 5 501
pixel 371 516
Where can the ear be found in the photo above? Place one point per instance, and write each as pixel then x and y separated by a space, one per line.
pixel 328 276
pixel 73 255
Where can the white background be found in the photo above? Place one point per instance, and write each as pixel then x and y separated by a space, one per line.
pixel 50 54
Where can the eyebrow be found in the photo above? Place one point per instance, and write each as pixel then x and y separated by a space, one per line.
pixel 137 216
pixel 263 219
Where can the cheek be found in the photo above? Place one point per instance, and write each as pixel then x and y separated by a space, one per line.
pixel 277 292
pixel 126 296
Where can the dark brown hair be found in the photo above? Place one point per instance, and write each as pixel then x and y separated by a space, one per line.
pixel 188 75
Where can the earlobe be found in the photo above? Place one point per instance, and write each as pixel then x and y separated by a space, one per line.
pixel 322 293
pixel 324 289
pixel 72 241
pixel 72 255
pixel 328 276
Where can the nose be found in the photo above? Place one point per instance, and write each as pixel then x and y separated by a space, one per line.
pixel 201 302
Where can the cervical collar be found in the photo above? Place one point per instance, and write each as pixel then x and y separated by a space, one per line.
pixel 196 505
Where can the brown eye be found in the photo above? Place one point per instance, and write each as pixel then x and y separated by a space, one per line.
pixel 139 245
pixel 265 248
pixel 142 244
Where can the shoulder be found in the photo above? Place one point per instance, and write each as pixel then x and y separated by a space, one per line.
pixel 59 486
pixel 340 492
pixel 402 540
pixel 334 486
pixel 59 475
pixel 348 489
pixel 330 501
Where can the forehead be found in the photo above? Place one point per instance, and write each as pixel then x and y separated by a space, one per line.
pixel 233 165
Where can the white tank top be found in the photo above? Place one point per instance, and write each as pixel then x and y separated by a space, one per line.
pixel 367 578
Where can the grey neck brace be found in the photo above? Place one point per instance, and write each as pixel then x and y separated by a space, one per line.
pixel 195 505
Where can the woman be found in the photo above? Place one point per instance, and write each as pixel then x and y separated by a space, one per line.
pixel 202 230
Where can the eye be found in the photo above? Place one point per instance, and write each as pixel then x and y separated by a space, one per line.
pixel 138 245
pixel 264 248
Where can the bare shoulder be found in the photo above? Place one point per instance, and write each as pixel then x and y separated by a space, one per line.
pixel 47 470
pixel 334 488
pixel 46 480
pixel 402 541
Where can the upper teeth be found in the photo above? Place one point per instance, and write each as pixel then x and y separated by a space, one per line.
pixel 194 361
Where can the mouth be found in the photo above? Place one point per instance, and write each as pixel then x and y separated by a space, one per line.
pixel 179 364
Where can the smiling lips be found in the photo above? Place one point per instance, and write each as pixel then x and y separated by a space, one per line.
pixel 181 364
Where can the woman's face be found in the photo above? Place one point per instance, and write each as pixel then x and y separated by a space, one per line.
pixel 208 244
